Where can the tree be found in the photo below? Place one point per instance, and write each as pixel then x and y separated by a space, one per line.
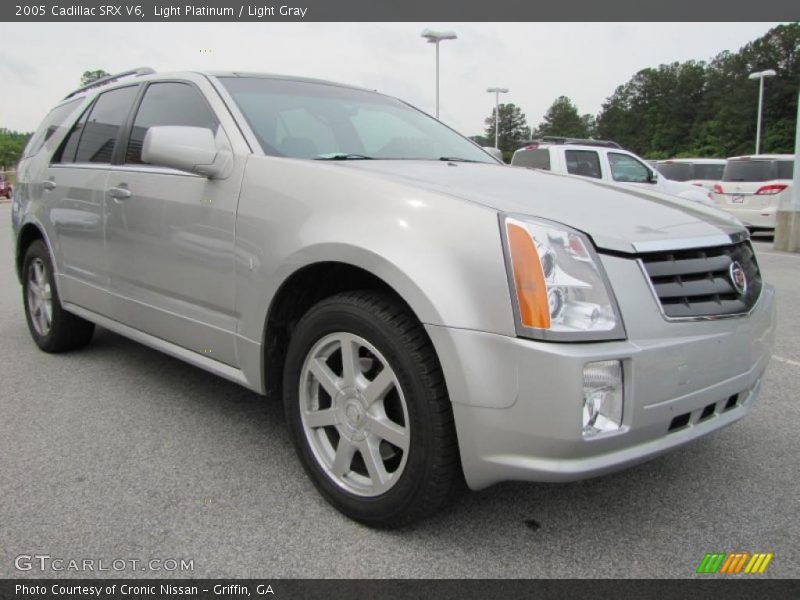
pixel 90 76
pixel 700 109
pixel 562 120
pixel 514 128
pixel 11 145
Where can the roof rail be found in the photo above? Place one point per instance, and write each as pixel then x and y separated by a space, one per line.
pixel 552 139
pixel 109 78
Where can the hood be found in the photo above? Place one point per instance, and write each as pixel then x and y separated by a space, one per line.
pixel 616 217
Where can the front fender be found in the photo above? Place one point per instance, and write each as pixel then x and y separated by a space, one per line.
pixel 442 255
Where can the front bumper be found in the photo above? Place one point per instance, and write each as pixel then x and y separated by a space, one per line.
pixel 517 403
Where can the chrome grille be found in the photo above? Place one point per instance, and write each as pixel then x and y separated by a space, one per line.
pixel 699 283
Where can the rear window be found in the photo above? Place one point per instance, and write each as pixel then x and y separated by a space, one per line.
pixel 750 170
pixel 676 171
pixel 50 125
pixel 785 169
pixel 713 172
pixel 533 159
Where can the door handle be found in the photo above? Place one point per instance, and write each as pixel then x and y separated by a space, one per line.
pixel 49 185
pixel 119 193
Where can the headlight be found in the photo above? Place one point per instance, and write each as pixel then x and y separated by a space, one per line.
pixel 558 285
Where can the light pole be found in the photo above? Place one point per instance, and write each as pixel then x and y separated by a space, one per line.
pixel 760 75
pixel 434 37
pixel 497 91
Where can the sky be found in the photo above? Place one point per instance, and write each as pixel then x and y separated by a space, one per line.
pixel 42 62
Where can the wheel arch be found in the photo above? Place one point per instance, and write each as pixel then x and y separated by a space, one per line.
pixel 302 289
pixel 29 233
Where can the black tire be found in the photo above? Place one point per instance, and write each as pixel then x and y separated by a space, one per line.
pixel 432 474
pixel 66 331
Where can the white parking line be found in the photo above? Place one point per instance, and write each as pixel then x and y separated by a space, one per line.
pixel 787 361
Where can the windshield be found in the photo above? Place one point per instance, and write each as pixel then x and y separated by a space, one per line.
pixel 327 122
pixel 749 170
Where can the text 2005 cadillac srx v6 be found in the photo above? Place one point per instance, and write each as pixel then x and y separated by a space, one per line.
pixel 427 314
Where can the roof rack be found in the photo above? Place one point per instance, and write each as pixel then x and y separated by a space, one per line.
pixel 551 139
pixel 109 78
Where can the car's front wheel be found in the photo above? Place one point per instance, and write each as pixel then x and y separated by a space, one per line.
pixel 51 327
pixel 369 412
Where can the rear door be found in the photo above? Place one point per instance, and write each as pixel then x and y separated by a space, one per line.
pixel 74 188
pixel 171 238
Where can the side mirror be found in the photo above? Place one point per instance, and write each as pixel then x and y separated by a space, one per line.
pixel 652 177
pixel 496 152
pixel 192 149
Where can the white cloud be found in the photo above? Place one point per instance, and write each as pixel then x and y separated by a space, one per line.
pixel 41 62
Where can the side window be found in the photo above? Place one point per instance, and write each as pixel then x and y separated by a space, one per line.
pixel 627 169
pixel 94 136
pixel 178 104
pixel 583 162
pixel 66 154
pixel 533 159
pixel 51 124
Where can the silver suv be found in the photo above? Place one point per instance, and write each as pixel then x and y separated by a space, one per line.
pixel 426 314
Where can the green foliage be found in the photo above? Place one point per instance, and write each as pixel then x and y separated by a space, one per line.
pixel 90 76
pixel 513 128
pixel 698 109
pixel 562 119
pixel 11 145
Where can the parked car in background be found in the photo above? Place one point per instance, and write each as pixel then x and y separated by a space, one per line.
pixel 5 186
pixel 753 187
pixel 704 172
pixel 600 159
pixel 426 314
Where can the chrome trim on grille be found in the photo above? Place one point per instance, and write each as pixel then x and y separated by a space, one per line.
pixel 709 241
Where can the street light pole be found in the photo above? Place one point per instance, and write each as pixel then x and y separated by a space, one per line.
pixel 760 75
pixel 434 37
pixel 497 91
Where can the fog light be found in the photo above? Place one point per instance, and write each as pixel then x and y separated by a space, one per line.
pixel 602 397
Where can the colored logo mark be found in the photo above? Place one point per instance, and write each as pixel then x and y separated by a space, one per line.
pixel 734 563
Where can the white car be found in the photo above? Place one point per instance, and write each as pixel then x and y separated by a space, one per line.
pixel 702 172
pixel 753 187
pixel 604 160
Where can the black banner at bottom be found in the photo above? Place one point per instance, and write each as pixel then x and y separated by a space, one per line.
pixel 333 589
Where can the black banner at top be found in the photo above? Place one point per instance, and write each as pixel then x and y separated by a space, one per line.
pixel 397 10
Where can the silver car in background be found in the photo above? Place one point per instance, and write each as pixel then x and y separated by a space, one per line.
pixel 427 315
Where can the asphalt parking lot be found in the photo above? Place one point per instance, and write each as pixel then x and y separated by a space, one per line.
pixel 120 452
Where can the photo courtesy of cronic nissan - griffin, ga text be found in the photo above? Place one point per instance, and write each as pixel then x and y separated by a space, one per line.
pixel 427 315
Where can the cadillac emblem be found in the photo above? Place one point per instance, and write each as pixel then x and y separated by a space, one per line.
pixel 738 278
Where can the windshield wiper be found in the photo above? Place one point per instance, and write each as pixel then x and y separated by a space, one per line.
pixel 342 156
pixel 456 159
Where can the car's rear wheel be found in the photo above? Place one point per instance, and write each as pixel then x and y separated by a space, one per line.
pixel 369 412
pixel 52 328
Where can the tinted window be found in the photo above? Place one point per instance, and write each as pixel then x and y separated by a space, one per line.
pixel 52 122
pixel 583 162
pixel 712 172
pixel 627 169
pixel 310 120
pixel 99 134
pixel 785 169
pixel 749 170
pixel 675 171
pixel 534 159
pixel 168 104
pixel 66 153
